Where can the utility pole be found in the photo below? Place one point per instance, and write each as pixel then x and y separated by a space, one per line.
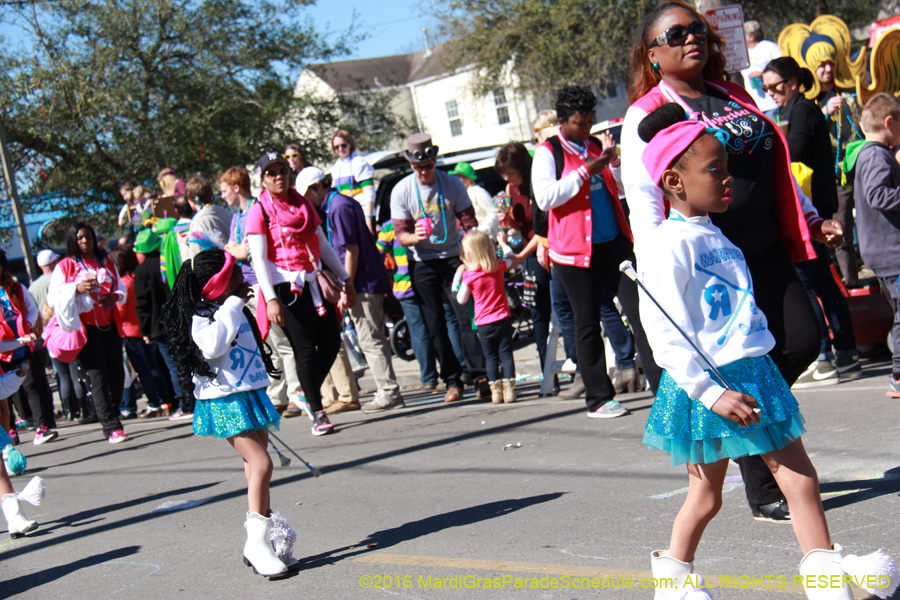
pixel 10 177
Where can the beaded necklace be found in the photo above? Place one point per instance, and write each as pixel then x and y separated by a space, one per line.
pixel 242 222
pixel 327 204
pixel 440 202
pixel 97 299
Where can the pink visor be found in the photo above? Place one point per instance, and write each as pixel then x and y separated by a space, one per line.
pixel 218 283
pixel 668 144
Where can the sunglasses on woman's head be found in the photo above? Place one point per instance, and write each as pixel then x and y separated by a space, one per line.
pixel 677 35
pixel 429 152
pixel 273 174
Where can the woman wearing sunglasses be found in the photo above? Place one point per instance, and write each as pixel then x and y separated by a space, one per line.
pixel 677 58
pixel 287 247
pixel 296 160
pixel 353 175
pixel 809 142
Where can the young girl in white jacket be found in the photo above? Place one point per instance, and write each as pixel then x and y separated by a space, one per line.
pixel 224 362
pixel 706 286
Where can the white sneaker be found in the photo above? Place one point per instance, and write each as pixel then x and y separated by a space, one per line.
pixel 382 402
pixel 610 410
pixel 819 373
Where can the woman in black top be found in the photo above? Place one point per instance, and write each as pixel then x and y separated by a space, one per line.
pixel 809 143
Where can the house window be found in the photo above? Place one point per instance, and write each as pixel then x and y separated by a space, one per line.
pixel 610 91
pixel 453 115
pixel 502 107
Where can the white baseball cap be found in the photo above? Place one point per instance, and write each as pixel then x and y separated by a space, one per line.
pixel 46 257
pixel 307 177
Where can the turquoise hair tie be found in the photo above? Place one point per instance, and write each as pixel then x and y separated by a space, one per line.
pixel 719 134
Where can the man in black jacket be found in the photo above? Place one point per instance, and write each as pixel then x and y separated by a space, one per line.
pixel 150 294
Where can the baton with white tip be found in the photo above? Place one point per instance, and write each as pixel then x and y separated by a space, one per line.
pixel 627 268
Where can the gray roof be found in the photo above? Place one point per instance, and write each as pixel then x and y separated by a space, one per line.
pixel 384 71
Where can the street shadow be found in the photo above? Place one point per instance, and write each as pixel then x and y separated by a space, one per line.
pixel 129 446
pixel 863 489
pixel 424 527
pixel 79 520
pixel 24 583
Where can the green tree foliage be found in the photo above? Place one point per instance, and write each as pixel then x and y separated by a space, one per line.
pixel 775 16
pixel 106 91
pixel 551 43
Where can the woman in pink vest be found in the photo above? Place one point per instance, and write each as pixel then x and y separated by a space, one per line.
pixel 588 238
pixel 286 244
pixel 84 288
pixel 677 58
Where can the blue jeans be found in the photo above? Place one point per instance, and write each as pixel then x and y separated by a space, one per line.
pixel 565 316
pixel 543 309
pixel 619 337
pixel 454 332
pixel 143 359
pixel 421 343
pixel 819 283
pixel 187 401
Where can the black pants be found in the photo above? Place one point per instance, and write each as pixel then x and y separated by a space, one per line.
pixel 101 357
pixel 584 287
pixel 34 396
pixel 496 341
pixel 542 311
pixel 431 280
pixel 784 301
pixel 314 339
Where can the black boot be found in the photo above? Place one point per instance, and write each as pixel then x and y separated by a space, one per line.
pixel 87 412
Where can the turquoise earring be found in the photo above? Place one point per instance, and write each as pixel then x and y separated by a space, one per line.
pixel 656 65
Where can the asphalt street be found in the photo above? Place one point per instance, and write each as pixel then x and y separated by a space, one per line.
pixel 436 501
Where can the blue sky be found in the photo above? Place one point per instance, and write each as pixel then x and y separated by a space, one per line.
pixel 395 26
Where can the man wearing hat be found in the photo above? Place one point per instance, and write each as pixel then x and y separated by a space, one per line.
pixel 485 211
pixel 424 208
pixel 46 260
pixel 150 294
pixel 345 225
pixel 761 52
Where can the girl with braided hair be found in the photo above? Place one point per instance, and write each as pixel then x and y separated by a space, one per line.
pixel 224 363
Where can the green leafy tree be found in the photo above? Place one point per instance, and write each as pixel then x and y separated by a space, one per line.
pixel 105 91
pixel 551 43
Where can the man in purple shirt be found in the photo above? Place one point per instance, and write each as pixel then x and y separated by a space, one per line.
pixel 345 226
pixel 234 185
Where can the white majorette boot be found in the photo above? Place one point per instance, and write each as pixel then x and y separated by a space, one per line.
pixel 17 523
pixel 283 538
pixel 876 570
pixel 258 551
pixel 671 577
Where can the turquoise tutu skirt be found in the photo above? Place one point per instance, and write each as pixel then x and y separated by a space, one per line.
pixel 235 413
pixel 4 439
pixel 690 432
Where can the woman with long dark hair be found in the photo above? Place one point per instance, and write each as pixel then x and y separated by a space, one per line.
pixel 677 57
pixel 513 163
pixel 810 143
pixel 20 313
pixel 83 291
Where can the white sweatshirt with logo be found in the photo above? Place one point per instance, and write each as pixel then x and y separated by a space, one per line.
pixel 226 340
pixel 703 282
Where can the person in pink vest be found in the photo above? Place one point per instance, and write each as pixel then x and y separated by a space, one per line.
pixel 678 58
pixel 588 236
pixel 84 288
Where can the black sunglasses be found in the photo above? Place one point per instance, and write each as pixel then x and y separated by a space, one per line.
pixel 274 174
pixel 425 166
pixel 429 152
pixel 769 89
pixel 677 35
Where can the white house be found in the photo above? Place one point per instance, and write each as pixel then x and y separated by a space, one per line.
pixel 440 101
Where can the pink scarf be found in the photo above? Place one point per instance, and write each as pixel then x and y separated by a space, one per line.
pixel 294 215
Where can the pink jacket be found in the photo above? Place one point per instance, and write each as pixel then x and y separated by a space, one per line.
pixel 796 214
pixel 569 235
